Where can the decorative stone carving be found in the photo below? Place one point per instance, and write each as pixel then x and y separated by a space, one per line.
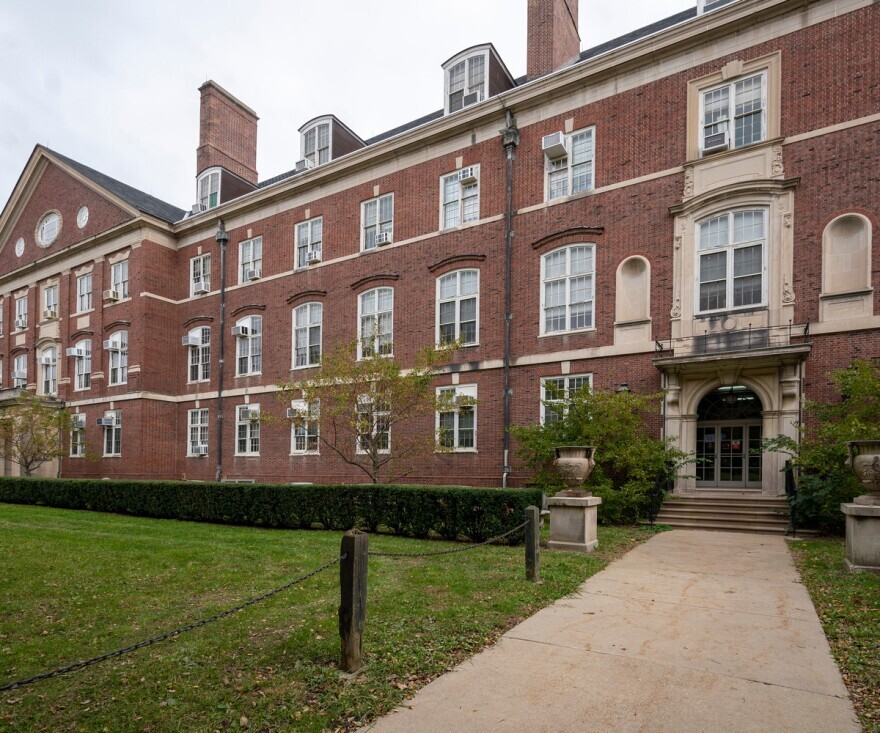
pixel 786 221
pixel 776 167
pixel 575 464
pixel 864 460
pixel 678 240
pixel 787 291
pixel 675 312
pixel 688 182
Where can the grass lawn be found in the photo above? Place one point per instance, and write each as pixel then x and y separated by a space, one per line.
pixel 78 584
pixel 849 607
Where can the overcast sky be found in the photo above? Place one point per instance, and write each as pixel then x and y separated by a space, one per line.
pixel 113 83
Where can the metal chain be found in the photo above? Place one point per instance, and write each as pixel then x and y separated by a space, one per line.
pixel 453 551
pixel 168 635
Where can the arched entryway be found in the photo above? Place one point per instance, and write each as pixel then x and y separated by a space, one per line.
pixel 729 432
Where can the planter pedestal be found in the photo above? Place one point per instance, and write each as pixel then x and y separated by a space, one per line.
pixel 573 522
pixel 862 536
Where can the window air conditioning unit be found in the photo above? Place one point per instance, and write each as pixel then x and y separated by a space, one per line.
pixel 191 341
pixel 111 345
pixel 111 295
pixel 45 360
pixel 292 414
pixel 50 313
pixel 252 275
pixel 554 145
pixel 384 238
pixel 200 450
pixel 716 143
pixel 196 209
pixel 20 323
pixel 467 175
pixel 19 375
pixel 304 165
pixel 240 331
pixel 106 422
pixel 73 351
pixel 201 288
pixel 252 415
pixel 472 98
pixel 109 414
pixel 313 257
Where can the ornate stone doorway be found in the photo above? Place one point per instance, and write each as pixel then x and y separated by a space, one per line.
pixel 728 439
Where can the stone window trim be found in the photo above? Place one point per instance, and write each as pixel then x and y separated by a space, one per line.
pixel 771 64
pixel 119 257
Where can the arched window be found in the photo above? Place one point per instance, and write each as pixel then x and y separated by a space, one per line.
pixel 249 346
pixel 567 295
pixel 458 307
pixel 376 317
pixel 82 366
pixel 117 346
pixel 198 342
pixel 633 290
pixel 307 320
pixel 846 255
pixel 48 361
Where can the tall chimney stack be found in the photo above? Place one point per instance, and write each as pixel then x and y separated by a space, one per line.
pixel 227 134
pixel 553 39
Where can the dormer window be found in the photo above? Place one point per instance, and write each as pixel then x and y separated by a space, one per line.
pixel 209 189
pixel 316 144
pixel 473 75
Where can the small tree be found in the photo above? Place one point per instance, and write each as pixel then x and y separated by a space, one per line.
pixel 628 458
pixel 819 456
pixel 371 410
pixel 32 431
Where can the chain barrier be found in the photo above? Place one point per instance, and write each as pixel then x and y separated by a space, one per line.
pixel 453 551
pixel 163 637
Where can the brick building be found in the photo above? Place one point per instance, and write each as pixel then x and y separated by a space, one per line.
pixel 690 207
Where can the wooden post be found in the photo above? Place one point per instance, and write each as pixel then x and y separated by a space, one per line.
pixel 353 603
pixel 533 544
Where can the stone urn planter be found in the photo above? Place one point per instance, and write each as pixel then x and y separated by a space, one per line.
pixel 863 514
pixel 575 463
pixel 864 460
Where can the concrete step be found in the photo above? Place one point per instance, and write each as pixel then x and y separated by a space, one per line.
pixel 696 512
pixel 741 512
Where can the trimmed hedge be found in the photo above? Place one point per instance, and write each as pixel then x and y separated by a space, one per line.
pixel 450 512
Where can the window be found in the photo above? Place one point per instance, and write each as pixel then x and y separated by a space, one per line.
pixel 376 315
pixel 305 430
pixel 373 426
pixel 377 218
pixel 457 307
pixel 457 417
pixel 731 260
pixel 461 198
pixel 82 366
pixel 113 433
pixel 247 424
pixel 117 345
pixel 557 392
pixel 249 348
pixel 21 313
pixel 50 302
pixel 316 144
pixel 77 435
pixel 49 371
pixel 209 189
pixel 572 172
pixel 84 293
pixel 199 354
pixel 567 295
pixel 307 335
pixel 466 79
pixel 1 318
pixel 197 429
pixel 200 275
pixel 734 114
pixel 48 229
pixel 250 259
pixel 119 278
pixel 309 237
pixel 19 371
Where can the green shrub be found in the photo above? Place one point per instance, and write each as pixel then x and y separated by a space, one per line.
pixel 450 512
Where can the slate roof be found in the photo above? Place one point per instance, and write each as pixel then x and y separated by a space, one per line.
pixel 138 199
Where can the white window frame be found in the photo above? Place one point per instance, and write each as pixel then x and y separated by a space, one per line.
pixel 196 430
pixel 460 201
pixel 567 278
pixel 563 396
pixel 199 272
pixel 247 430
pixel 463 401
pixel 118 358
pixel 46 234
pixel 113 435
pixel 2 302
pixel 309 235
pixel 305 429
pixel 198 358
pixel 207 186
pixel 78 435
pixel 312 316
pixel 253 260
pixel 119 278
pixel 21 312
pixel 457 300
pixel 367 411
pixel 315 154
pixel 19 365
pixel 729 122
pixel 50 299
pixel 49 372
pixel 82 367
pixel 84 293
pixel 376 342
pixel 249 347
pixel 370 231
pixel 730 249
pixel 468 85
pixel 566 164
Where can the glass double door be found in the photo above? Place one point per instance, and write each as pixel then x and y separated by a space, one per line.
pixel 729 455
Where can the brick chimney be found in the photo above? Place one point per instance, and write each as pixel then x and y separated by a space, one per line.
pixel 553 39
pixel 227 133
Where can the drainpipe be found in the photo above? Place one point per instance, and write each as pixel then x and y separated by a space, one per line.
pixel 509 141
pixel 222 238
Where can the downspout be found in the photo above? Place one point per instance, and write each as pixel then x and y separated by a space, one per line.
pixel 222 238
pixel 509 141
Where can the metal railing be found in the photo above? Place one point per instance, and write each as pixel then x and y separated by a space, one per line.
pixel 738 340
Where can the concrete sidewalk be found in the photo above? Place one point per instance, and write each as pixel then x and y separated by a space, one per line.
pixel 692 631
